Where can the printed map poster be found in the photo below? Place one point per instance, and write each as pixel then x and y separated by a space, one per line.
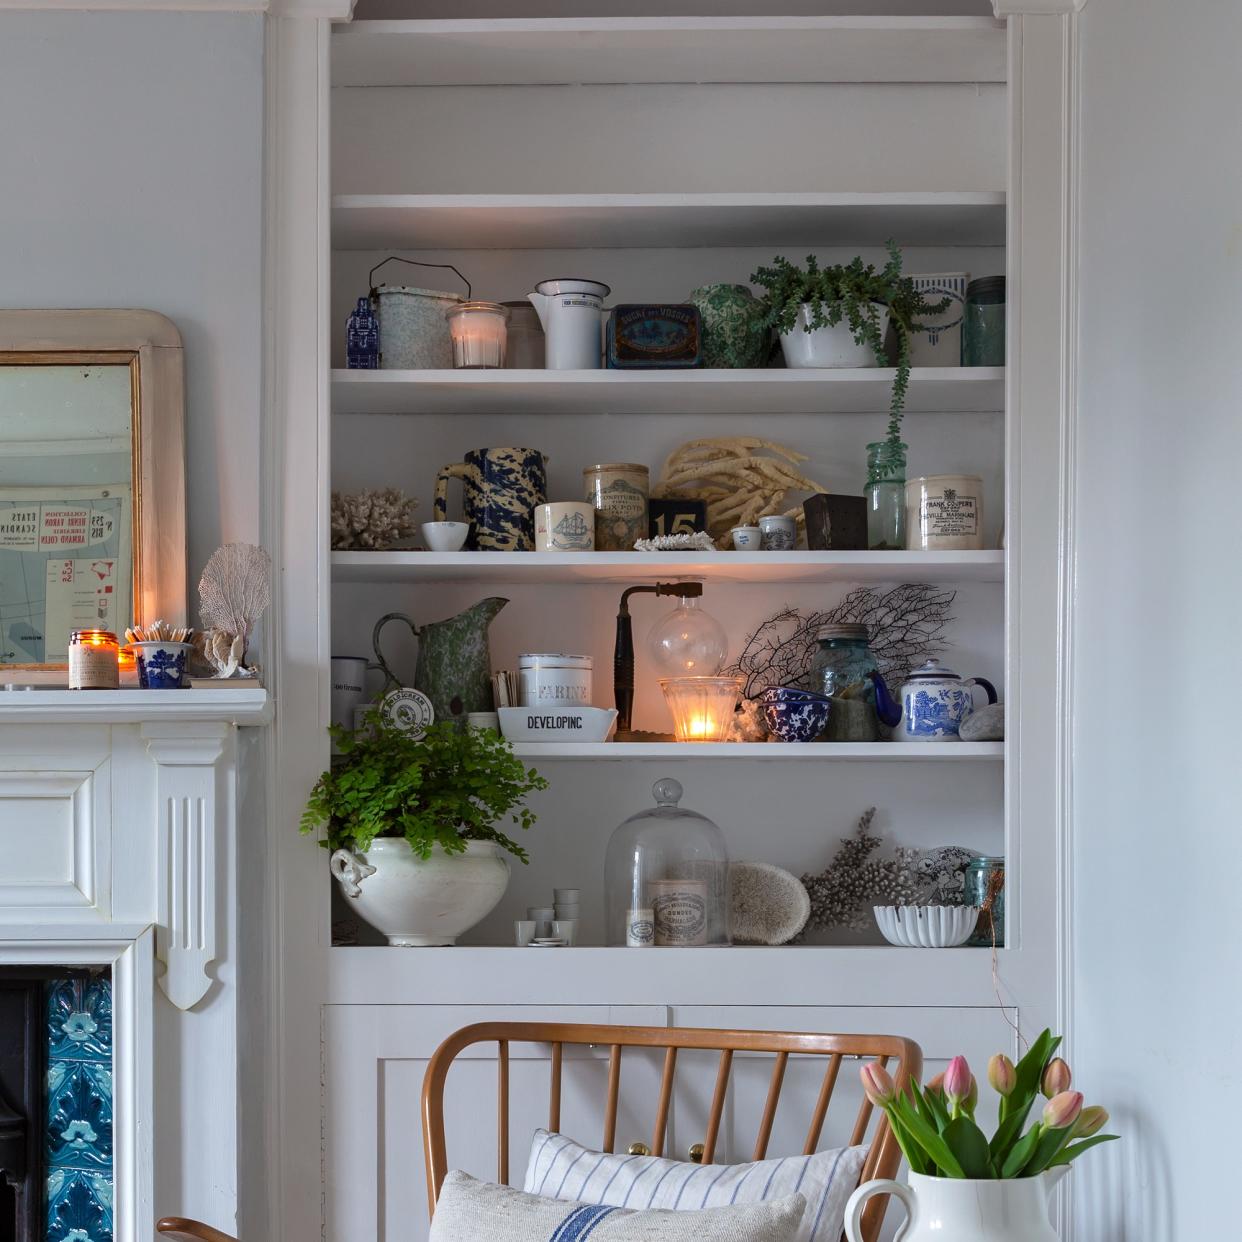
pixel 65 564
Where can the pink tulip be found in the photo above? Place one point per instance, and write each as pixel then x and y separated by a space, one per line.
pixel 1090 1121
pixel 878 1084
pixel 957 1080
pixel 1063 1109
pixel 1002 1075
pixel 1057 1078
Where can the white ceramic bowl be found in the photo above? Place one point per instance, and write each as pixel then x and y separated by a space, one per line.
pixel 926 927
pixel 445 536
pixel 560 724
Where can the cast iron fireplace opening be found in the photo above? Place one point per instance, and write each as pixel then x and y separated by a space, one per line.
pixel 55 1104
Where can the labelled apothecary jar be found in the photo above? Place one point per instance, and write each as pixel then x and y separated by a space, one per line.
pixel 666 877
pixel 480 334
pixel 841 668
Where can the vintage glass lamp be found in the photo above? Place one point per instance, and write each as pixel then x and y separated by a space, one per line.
pixel 666 877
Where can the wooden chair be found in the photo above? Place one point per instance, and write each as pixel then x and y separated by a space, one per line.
pixel 183 1230
pixel 882 1159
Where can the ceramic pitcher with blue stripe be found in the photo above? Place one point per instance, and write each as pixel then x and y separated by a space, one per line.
pixel 501 488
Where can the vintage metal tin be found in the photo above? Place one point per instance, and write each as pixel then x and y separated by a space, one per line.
pixel 654 336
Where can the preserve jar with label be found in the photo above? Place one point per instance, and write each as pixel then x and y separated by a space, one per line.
pixel 667 872
pixel 944 513
pixel 618 492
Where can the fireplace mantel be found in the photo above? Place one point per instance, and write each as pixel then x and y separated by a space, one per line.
pixel 120 819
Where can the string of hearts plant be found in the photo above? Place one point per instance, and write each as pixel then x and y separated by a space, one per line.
pixel 851 292
pixel 936 1129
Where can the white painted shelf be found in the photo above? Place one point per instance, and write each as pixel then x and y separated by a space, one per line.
pixel 952 390
pixel 750 974
pixel 882 752
pixel 247 706
pixel 569 567
pixel 525 51
pixel 605 221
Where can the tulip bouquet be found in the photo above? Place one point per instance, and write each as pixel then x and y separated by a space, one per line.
pixel 935 1126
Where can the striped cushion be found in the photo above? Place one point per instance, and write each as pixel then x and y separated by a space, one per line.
pixel 561 1168
pixel 473 1211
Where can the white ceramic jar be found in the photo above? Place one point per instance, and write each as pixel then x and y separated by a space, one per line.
pixel 944 513
pixel 553 679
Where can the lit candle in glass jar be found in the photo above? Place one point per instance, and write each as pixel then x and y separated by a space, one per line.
pixel 479 333
pixel 93 660
pixel 702 707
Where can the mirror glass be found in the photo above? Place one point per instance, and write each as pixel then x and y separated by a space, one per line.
pixel 67 436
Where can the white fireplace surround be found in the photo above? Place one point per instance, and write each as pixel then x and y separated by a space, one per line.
pixel 119 818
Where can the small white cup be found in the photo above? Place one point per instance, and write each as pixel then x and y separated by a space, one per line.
pixel 567 912
pixel 445 536
pixel 566 896
pixel 567 930
pixel 523 932
pixel 747 538
pixel 543 916
pixel 487 721
pixel 779 533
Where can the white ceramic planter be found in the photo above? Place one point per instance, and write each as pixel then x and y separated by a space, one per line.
pixel 419 902
pixel 945 1209
pixel 828 347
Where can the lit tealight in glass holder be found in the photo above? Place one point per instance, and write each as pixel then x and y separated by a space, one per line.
pixel 702 707
pixel 93 660
pixel 479 331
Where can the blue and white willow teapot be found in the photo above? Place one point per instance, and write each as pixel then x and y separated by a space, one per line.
pixel 934 703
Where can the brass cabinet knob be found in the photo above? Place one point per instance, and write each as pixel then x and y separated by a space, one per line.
pixel 696 1153
pixel 638 1149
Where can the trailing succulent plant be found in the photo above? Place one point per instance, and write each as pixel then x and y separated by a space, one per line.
pixel 850 292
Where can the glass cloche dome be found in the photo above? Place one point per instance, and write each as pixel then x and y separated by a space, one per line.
pixel 666 876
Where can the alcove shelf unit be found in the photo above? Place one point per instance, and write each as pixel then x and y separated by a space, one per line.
pixel 657 156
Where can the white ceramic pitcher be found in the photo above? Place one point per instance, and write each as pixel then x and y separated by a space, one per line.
pixel 570 311
pixel 950 1209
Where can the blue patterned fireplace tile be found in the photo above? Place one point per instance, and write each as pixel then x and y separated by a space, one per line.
pixel 79 1110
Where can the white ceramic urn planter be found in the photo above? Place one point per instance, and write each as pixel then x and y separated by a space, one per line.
pixel 418 902
pixel 948 1209
pixel 833 346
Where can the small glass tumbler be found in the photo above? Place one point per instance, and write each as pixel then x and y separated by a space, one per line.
pixel 886 495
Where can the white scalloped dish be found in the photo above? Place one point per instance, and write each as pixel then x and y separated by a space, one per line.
pixel 926 927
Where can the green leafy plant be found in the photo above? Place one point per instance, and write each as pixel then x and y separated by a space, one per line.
pixel 454 785
pixel 936 1129
pixel 850 292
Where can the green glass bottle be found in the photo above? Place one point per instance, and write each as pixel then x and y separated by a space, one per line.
pixel 886 495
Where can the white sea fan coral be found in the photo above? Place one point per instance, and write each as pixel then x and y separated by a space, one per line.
pixel 372 519
pixel 233 593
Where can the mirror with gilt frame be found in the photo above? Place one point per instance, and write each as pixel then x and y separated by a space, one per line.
pixel 92 478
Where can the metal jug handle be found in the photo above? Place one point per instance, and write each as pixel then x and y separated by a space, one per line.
pixel 396 258
pixel 390 679
pixel 988 688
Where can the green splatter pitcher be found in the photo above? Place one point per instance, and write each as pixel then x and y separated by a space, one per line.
pixel 454 668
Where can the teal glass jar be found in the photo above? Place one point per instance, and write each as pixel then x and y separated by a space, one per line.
pixel 886 495
pixel 983 885
pixel 983 323
pixel 841 668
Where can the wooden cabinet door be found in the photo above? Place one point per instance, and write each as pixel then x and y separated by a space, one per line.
pixel 374 1060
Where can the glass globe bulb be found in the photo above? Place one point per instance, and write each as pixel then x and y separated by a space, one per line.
pixel 687 642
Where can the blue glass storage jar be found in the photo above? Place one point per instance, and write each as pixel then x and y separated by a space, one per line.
pixel 841 669
pixel 983 885
pixel 983 323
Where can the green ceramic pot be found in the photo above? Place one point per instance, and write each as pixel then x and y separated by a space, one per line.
pixel 733 331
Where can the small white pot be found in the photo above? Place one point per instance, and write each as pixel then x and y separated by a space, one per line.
pixel 828 346
pixel 419 902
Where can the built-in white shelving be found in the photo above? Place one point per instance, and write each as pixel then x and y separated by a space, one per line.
pixel 604 221
pixel 235 704
pixel 715 391
pixel 530 52
pixel 883 752
pixel 568 567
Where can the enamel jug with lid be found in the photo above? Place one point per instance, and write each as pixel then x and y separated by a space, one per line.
pixel 934 702
pixel 570 310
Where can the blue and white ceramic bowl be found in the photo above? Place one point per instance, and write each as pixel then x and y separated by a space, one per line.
pixel 161 666
pixel 793 715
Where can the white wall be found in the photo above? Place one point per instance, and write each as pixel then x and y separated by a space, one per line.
pixel 132 177
pixel 131 157
pixel 1157 955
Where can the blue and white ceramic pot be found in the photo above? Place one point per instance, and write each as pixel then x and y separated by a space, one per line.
pixel 501 488
pixel 161 666
pixel 793 715
pixel 934 703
